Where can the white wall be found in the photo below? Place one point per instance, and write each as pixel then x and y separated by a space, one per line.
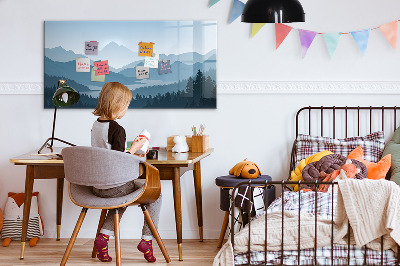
pixel 259 127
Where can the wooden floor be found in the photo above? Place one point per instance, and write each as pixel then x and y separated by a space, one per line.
pixel 50 252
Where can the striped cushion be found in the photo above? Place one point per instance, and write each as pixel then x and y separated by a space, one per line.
pixel 13 228
pixel 372 145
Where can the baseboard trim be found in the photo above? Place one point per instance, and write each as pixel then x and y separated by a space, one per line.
pixel 259 87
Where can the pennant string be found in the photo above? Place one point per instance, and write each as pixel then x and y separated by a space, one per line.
pixel 347 32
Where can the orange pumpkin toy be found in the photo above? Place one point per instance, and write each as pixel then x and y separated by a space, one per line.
pixel 245 169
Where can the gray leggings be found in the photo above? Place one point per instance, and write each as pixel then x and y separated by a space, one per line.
pixel 154 208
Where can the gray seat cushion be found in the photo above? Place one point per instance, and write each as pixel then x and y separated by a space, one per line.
pixel 83 196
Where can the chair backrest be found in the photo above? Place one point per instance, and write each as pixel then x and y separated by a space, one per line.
pixel 92 166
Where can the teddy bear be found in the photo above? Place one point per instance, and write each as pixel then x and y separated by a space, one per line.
pixel 13 215
pixel 245 169
pixel 180 144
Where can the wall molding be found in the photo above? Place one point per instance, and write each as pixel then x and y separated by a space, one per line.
pixel 309 87
pixel 260 87
pixel 21 88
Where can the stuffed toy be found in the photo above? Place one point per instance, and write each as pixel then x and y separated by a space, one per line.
pixel 180 144
pixel 13 215
pixel 296 174
pixel 245 169
pixel 375 170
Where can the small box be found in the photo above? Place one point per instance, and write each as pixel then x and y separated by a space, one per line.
pixel 171 143
pixel 200 143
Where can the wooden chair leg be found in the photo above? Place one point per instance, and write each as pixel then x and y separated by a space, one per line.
pixel 73 237
pixel 154 230
pixel 117 238
pixel 223 229
pixel 101 222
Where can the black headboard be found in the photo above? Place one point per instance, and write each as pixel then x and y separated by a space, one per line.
pixel 344 121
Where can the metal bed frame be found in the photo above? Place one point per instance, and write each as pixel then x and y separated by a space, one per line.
pixel 283 184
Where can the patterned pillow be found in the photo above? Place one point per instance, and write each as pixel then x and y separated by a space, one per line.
pixel 372 145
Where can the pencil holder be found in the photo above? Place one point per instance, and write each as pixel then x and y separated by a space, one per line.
pixel 200 143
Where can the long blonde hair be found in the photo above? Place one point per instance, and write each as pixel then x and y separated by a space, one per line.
pixel 112 99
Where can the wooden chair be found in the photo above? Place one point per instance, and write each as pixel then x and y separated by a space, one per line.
pixel 85 167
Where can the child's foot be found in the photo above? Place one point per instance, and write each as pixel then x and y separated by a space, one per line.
pixel 146 247
pixel 101 245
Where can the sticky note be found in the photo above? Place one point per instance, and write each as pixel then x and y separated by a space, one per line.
pixel 99 78
pixel 145 48
pixel 151 61
pixel 102 68
pixel 82 65
pixel 164 67
pixel 142 72
pixel 91 48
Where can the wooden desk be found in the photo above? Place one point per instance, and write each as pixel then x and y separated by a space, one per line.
pixel 171 167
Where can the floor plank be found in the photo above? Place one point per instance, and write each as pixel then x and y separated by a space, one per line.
pixel 49 252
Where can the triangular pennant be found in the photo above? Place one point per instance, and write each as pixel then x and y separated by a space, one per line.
pixel 361 37
pixel 213 2
pixel 237 9
pixel 332 41
pixel 389 30
pixel 256 27
pixel 281 31
pixel 306 39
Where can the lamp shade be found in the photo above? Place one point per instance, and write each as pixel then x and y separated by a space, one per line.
pixel 65 95
pixel 273 11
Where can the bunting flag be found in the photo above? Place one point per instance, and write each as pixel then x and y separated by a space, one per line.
pixel 306 39
pixel 213 2
pixel 256 27
pixel 361 37
pixel 281 31
pixel 389 30
pixel 237 9
pixel 332 41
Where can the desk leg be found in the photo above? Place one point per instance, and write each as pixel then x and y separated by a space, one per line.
pixel 199 204
pixel 60 190
pixel 27 206
pixel 176 183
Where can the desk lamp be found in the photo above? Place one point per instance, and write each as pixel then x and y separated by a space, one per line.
pixel 63 97
pixel 273 11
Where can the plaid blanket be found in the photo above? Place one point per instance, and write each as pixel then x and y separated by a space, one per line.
pixel 322 204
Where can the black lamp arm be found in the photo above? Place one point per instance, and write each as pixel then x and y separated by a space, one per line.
pixel 46 143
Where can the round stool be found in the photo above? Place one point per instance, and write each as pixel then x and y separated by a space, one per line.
pixel 228 182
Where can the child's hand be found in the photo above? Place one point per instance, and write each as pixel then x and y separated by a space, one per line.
pixel 137 144
pixel 143 155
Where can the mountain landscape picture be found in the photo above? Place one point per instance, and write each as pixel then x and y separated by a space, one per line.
pixel 166 64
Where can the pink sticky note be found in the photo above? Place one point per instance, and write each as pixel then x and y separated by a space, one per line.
pixel 102 68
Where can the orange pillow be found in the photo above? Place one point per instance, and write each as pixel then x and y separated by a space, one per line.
pixel 375 170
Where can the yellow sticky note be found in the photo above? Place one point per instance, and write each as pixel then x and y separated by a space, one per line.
pixel 145 48
pixel 98 78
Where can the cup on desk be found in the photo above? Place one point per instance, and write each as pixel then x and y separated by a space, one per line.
pixel 152 155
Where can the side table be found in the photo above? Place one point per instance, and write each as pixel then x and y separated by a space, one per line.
pixel 228 182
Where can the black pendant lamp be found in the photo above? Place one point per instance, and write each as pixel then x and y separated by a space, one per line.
pixel 273 11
